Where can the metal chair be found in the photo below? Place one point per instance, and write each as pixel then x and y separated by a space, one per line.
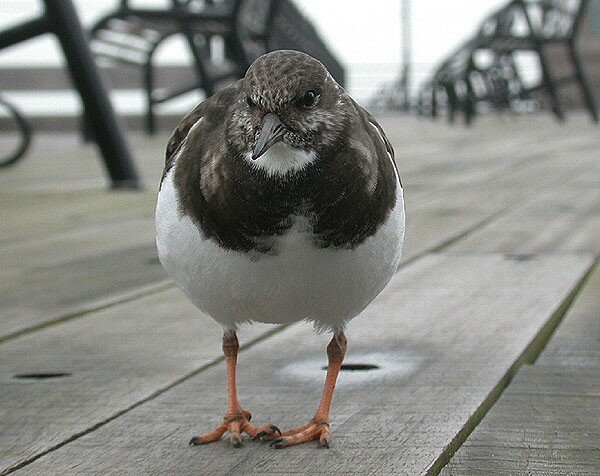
pixel 23 128
pixel 522 25
pixel 248 28
pixel 60 19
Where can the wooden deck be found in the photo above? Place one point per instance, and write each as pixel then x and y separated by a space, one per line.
pixel 502 243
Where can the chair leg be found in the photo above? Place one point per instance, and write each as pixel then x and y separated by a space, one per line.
pixel 204 80
pixel 149 83
pixel 469 103
pixel 550 85
pixel 452 101
pixel 586 91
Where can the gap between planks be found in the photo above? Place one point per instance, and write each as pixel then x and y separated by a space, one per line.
pixel 150 397
pixel 422 254
pixel 480 385
pixel 529 356
pixel 147 290
pixel 115 299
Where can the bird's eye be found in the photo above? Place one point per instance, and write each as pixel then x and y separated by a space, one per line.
pixel 250 102
pixel 309 99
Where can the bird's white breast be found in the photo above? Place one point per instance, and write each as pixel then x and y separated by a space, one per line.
pixel 328 286
pixel 281 159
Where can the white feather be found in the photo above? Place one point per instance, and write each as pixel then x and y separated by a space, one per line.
pixel 328 286
pixel 281 159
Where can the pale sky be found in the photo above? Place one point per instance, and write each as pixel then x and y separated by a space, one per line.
pixel 365 35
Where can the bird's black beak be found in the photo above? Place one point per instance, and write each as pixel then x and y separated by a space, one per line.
pixel 271 132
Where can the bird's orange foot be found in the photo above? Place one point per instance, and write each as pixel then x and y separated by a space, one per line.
pixel 236 423
pixel 314 430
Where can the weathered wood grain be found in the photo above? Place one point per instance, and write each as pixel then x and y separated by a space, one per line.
pixel 52 293
pixel 447 332
pixel 433 156
pixel 87 241
pixel 576 342
pixel 64 274
pixel 61 162
pixel 35 215
pixel 565 218
pixel 115 358
pixel 547 423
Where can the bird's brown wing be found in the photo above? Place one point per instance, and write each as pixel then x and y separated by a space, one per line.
pixel 209 108
pixel 379 138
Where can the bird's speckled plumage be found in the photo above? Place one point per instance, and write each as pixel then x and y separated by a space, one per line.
pixel 324 237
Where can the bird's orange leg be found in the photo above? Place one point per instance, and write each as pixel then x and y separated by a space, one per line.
pixel 236 420
pixel 318 427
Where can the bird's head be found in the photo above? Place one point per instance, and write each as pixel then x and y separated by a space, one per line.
pixel 287 97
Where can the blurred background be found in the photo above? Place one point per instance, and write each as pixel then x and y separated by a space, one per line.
pixel 98 67
pixel 383 49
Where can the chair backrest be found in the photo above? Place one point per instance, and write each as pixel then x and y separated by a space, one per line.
pixel 554 19
pixel 254 23
pixel 267 25
pixel 291 30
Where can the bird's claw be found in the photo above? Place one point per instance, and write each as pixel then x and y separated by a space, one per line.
pixel 270 431
pixel 324 441
pixel 314 430
pixel 278 443
pixel 196 440
pixel 236 423
pixel 236 442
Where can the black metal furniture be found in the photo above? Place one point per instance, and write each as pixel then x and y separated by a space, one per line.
pixel 132 35
pixel 60 18
pixel 9 157
pixel 522 25
pixel 248 28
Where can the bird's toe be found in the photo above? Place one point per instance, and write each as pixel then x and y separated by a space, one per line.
pixel 278 443
pixel 236 442
pixel 314 430
pixel 267 433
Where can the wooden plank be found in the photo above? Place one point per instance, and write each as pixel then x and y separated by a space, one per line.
pixel 61 162
pixel 64 274
pixel 456 328
pixel 115 358
pixel 431 154
pixel 34 215
pixel 546 204
pixel 55 249
pixel 50 294
pixel 565 218
pixel 547 423
pixel 575 343
pixel 67 248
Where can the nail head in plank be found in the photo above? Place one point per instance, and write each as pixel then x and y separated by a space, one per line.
pixel 115 358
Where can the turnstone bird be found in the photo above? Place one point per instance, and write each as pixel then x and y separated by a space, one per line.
pixel 280 201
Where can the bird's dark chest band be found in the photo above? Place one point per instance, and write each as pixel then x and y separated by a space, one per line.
pixel 247 210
